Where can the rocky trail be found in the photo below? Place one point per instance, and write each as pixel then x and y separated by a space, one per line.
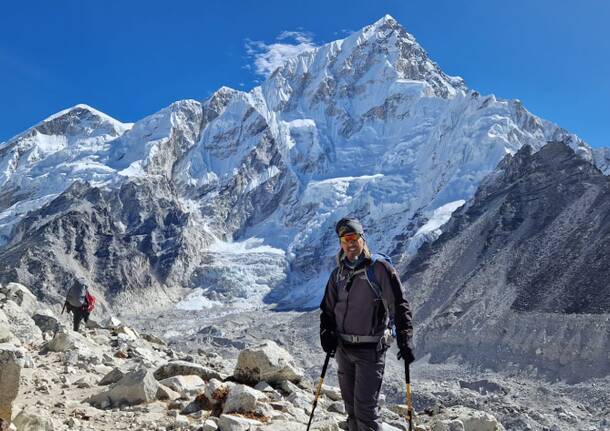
pixel 229 377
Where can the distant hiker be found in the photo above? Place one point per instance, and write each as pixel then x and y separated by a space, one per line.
pixel 363 302
pixel 79 302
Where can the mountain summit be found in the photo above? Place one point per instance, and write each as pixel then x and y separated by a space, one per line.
pixel 235 197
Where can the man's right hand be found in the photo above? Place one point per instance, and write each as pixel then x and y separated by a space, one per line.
pixel 328 339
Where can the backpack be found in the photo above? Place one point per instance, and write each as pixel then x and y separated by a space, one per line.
pixel 375 286
pixel 90 302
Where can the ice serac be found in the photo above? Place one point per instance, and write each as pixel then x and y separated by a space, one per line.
pixel 520 273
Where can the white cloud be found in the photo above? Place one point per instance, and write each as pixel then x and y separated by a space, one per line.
pixel 268 57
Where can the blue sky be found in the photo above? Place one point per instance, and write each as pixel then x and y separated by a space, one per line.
pixel 132 58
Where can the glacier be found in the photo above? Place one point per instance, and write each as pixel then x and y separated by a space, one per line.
pixel 368 125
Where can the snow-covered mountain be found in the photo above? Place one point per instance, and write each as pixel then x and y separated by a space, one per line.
pixel 368 125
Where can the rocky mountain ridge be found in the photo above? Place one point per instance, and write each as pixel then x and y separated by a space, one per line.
pixel 368 125
pixel 519 273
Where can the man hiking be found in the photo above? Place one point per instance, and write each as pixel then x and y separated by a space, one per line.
pixel 363 300
pixel 78 303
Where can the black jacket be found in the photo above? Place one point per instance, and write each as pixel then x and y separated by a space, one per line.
pixel 353 308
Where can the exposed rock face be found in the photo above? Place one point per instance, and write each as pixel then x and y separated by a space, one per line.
pixel 368 125
pixel 11 362
pixel 520 272
pixel 266 362
pixel 139 231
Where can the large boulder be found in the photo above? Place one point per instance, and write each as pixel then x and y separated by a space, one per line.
pixel 30 419
pixel 136 387
pixel 46 320
pixel 242 399
pixel 186 386
pixel 21 296
pixel 66 340
pixel 266 362
pixel 184 368
pixel 466 419
pixel 11 362
pixel 5 331
pixel 237 423
pixel 216 392
pixel 21 324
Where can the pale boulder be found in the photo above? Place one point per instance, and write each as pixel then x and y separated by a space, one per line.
pixel 237 423
pixel 21 324
pixel 11 362
pixel 30 419
pixel 463 418
pixel 266 362
pixel 242 399
pixel 22 296
pixel 187 386
pixel 136 387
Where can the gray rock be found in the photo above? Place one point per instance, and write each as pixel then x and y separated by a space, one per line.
pixel 337 407
pixel 216 391
pixel 281 425
pixel 5 332
pixel 165 393
pixel 266 362
pixel 21 324
pixel 228 422
pixel 154 339
pixel 22 296
pixel 242 399
pixel 136 387
pixel 460 418
pixel 111 323
pixel 11 362
pixel 182 368
pixel 186 386
pixel 67 340
pixel 31 419
pixel 112 377
pixel 331 392
pixel 46 320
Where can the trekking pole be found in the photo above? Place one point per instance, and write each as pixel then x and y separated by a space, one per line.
pixel 315 401
pixel 409 400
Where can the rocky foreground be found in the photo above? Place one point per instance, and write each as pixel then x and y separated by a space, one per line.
pixel 109 376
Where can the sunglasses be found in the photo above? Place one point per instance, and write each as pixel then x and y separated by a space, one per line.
pixel 348 237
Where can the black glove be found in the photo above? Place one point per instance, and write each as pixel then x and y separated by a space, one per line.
pixel 328 339
pixel 405 351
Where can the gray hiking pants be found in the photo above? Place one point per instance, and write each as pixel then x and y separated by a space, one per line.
pixel 360 371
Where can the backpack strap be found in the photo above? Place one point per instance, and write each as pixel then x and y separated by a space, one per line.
pixel 376 287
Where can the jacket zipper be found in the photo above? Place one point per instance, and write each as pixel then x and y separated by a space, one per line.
pixel 348 284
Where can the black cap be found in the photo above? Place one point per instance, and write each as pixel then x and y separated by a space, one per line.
pixel 349 225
